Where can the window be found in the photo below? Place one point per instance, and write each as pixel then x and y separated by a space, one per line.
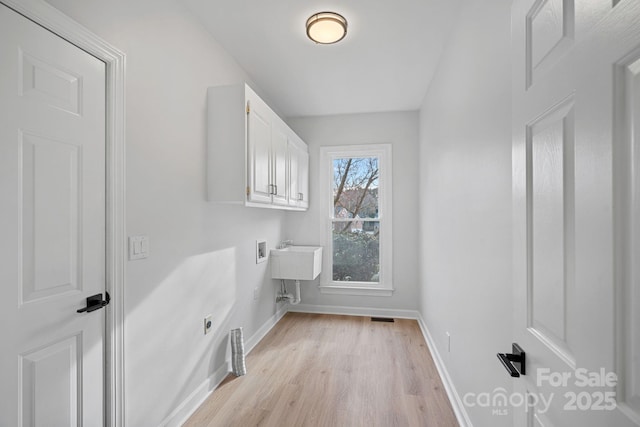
pixel 356 192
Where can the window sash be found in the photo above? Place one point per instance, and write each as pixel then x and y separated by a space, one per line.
pixel 357 155
pixel 355 270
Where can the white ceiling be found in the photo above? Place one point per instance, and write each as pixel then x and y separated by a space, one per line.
pixel 385 63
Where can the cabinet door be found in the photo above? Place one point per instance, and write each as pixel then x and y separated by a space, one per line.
pixel 259 153
pixel 303 179
pixel 293 174
pixel 279 166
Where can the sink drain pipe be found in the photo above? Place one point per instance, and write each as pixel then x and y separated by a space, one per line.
pixel 296 300
pixel 284 296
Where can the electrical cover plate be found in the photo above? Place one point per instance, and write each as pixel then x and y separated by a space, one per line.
pixel 207 324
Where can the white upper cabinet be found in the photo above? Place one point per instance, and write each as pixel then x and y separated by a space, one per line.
pixel 250 152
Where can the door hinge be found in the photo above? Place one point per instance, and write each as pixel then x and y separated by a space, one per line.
pixel 248 190
pixel 248 107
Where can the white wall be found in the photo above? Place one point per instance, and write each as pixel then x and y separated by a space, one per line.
pixel 202 256
pixel 401 130
pixel 465 210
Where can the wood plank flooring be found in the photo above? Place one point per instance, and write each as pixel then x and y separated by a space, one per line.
pixel 327 370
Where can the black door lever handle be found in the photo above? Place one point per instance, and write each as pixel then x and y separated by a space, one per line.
pixel 95 302
pixel 510 359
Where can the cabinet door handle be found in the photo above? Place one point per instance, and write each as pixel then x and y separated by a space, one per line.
pixel 300 196
pixel 276 189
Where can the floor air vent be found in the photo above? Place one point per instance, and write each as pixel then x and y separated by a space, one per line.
pixel 382 319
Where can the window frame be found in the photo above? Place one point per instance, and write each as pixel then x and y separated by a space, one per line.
pixel 384 287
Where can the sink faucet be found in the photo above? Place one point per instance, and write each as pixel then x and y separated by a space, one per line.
pixel 285 243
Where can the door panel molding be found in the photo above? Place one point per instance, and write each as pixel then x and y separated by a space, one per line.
pixel 52 19
pixel 56 358
pixel 550 34
pixel 50 84
pixel 550 254
pixel 59 267
pixel 626 158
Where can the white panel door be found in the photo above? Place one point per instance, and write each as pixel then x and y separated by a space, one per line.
pixel 52 223
pixel 570 104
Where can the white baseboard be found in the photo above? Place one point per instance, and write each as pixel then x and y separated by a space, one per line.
pixel 354 311
pixel 456 402
pixel 250 343
pixel 182 413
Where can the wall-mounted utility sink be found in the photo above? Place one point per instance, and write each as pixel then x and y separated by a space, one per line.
pixel 296 262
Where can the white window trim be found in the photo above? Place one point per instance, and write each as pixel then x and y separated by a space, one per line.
pixel 385 286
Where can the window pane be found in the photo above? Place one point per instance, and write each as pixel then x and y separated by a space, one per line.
pixel 355 187
pixel 356 251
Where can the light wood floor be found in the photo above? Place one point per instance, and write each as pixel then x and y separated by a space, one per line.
pixel 326 370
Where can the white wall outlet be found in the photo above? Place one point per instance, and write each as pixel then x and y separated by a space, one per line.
pixel 207 324
pixel 448 342
pixel 261 251
pixel 256 293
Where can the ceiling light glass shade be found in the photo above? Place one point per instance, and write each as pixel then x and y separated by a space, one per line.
pixel 326 27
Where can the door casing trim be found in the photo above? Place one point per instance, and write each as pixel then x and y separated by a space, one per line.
pixel 60 24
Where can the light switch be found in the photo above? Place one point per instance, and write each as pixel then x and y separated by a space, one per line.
pixel 138 247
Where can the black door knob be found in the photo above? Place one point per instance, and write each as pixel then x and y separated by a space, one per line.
pixel 516 358
pixel 95 302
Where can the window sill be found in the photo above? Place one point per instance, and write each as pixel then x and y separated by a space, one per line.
pixel 373 291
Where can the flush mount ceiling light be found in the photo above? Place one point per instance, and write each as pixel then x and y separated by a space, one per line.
pixel 326 27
